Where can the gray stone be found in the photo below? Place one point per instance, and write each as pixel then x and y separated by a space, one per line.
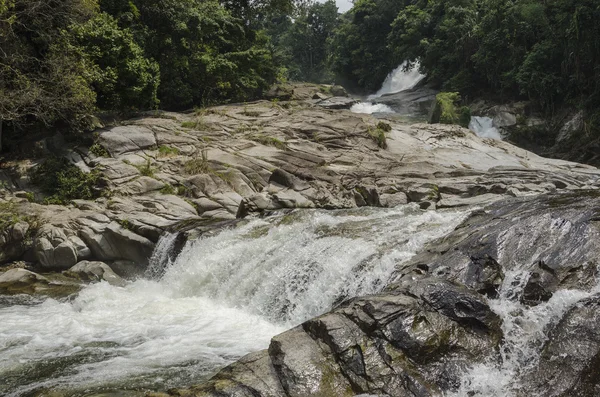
pixel 123 139
pixel 94 272
pixel 337 102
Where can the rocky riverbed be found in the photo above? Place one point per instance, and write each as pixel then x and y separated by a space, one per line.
pixel 435 322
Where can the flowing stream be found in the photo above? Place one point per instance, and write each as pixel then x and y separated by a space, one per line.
pixel 223 297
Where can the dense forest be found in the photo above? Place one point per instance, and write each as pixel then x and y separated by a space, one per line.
pixel 62 60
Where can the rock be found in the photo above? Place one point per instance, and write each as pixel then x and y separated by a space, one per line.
pixel 338 90
pixel 55 252
pixel 337 102
pixel 416 101
pixel 393 343
pixel 370 195
pixel 286 179
pixel 555 236
pixel 393 200
pixel 21 276
pixel 483 274
pixel 302 367
pixel 569 362
pixel 320 96
pixel 541 285
pixel 129 138
pixel 93 272
pixel 575 124
pixel 118 243
pixel 19 231
pixel 280 92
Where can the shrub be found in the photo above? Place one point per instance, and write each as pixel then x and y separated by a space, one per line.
pixel 378 135
pixel 63 181
pixel 447 110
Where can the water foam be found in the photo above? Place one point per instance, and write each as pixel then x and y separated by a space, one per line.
pixel 483 127
pixel 525 331
pixel 223 297
pixel 370 108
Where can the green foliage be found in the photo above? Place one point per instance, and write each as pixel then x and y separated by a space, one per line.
pixel 378 134
pixel 197 165
pixel 168 189
pixel 448 110
pixel 63 181
pixel 98 150
pixel 360 56
pixel 304 43
pixel 120 74
pixel 269 141
pixel 42 78
pixel 167 151
pixel 146 169
pixel 126 224
pixel 205 52
pixel 11 214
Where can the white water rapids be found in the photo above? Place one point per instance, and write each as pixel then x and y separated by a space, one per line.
pixel 223 297
pixel 525 330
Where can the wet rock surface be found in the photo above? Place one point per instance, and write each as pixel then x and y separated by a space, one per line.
pixel 423 332
pixel 411 340
pixel 200 172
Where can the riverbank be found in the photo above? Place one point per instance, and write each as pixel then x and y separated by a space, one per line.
pixel 202 172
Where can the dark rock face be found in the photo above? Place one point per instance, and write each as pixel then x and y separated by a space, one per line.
pixel 412 340
pixel 555 238
pixel 570 360
pixel 416 101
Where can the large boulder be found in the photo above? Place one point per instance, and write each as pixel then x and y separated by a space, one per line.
pixel 55 250
pixel 93 272
pixel 128 138
pixel 337 102
pixel 414 339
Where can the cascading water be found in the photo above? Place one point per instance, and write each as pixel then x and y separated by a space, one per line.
pixel 223 297
pixel 525 330
pixel 399 80
pixel 162 256
pixel 483 127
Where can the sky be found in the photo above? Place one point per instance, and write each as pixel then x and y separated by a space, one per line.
pixel 343 5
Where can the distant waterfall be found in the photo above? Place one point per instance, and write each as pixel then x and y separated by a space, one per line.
pixel 400 80
pixel 397 81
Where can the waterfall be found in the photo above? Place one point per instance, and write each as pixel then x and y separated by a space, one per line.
pixel 397 81
pixel 525 331
pixel 162 256
pixel 484 127
pixel 400 80
pixel 224 296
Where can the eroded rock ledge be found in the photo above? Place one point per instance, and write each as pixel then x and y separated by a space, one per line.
pixel 167 169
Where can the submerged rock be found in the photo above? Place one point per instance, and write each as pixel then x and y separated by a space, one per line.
pixel 22 281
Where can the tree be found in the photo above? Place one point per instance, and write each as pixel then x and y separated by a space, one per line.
pixel 120 74
pixel 305 42
pixel 41 78
pixel 360 53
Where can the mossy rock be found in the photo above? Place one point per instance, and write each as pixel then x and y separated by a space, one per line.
pixel 447 110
